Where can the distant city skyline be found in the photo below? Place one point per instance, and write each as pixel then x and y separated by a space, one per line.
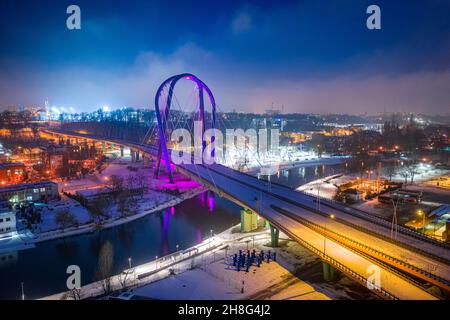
pixel 305 56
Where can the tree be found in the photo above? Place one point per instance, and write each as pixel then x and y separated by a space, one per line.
pixel 75 294
pixel 105 265
pixel 405 174
pixel 64 218
pixel 131 182
pixel 125 276
pixel 412 171
pixel 122 205
pixel 116 184
pixel 141 184
pixel 99 209
pixel 390 171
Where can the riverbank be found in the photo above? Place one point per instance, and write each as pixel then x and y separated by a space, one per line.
pixel 25 239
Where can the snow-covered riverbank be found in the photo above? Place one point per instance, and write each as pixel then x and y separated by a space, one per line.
pixel 26 239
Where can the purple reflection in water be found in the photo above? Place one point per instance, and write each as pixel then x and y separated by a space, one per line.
pixel 211 203
pixel 203 199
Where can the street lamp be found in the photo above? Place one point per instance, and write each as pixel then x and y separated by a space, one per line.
pixel 129 262
pixel 23 292
pixel 421 214
pixel 156 262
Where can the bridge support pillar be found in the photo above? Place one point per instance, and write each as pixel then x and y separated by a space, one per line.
pixel 328 272
pixel 274 236
pixel 121 151
pixel 137 156
pixel 133 156
pixel 249 220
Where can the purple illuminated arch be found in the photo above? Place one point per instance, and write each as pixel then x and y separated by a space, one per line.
pixel 171 82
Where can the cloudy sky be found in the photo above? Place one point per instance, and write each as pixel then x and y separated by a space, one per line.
pixel 310 56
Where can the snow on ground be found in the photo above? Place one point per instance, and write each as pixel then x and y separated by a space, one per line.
pixel 324 188
pixel 202 273
pixel 281 280
pixel 49 212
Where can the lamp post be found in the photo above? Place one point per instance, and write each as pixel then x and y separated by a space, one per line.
pixel 324 236
pixel 318 196
pixel 420 213
pixel 23 292
pixel 129 262
pixel 156 262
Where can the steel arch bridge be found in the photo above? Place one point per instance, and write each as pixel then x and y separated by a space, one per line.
pixel 162 116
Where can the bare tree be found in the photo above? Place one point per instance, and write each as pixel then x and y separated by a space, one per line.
pixel 412 171
pixel 141 184
pixel 75 294
pixel 122 205
pixel 404 173
pixel 64 218
pixel 116 184
pixel 125 276
pixel 131 182
pixel 390 171
pixel 105 266
pixel 99 209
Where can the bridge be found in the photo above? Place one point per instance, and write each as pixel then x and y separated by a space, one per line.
pixel 358 244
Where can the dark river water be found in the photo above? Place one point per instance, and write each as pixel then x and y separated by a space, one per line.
pixel 43 269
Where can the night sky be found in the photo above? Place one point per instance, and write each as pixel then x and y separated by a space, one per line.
pixel 310 56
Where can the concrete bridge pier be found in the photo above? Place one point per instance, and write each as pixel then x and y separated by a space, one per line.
pixel 249 220
pixel 274 236
pixel 133 156
pixel 137 156
pixel 121 151
pixel 328 272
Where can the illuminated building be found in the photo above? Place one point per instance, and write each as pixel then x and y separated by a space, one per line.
pixel 39 191
pixel 7 222
pixel 11 173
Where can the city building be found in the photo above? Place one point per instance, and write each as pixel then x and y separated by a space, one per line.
pixel 7 222
pixel 39 191
pixel 11 173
